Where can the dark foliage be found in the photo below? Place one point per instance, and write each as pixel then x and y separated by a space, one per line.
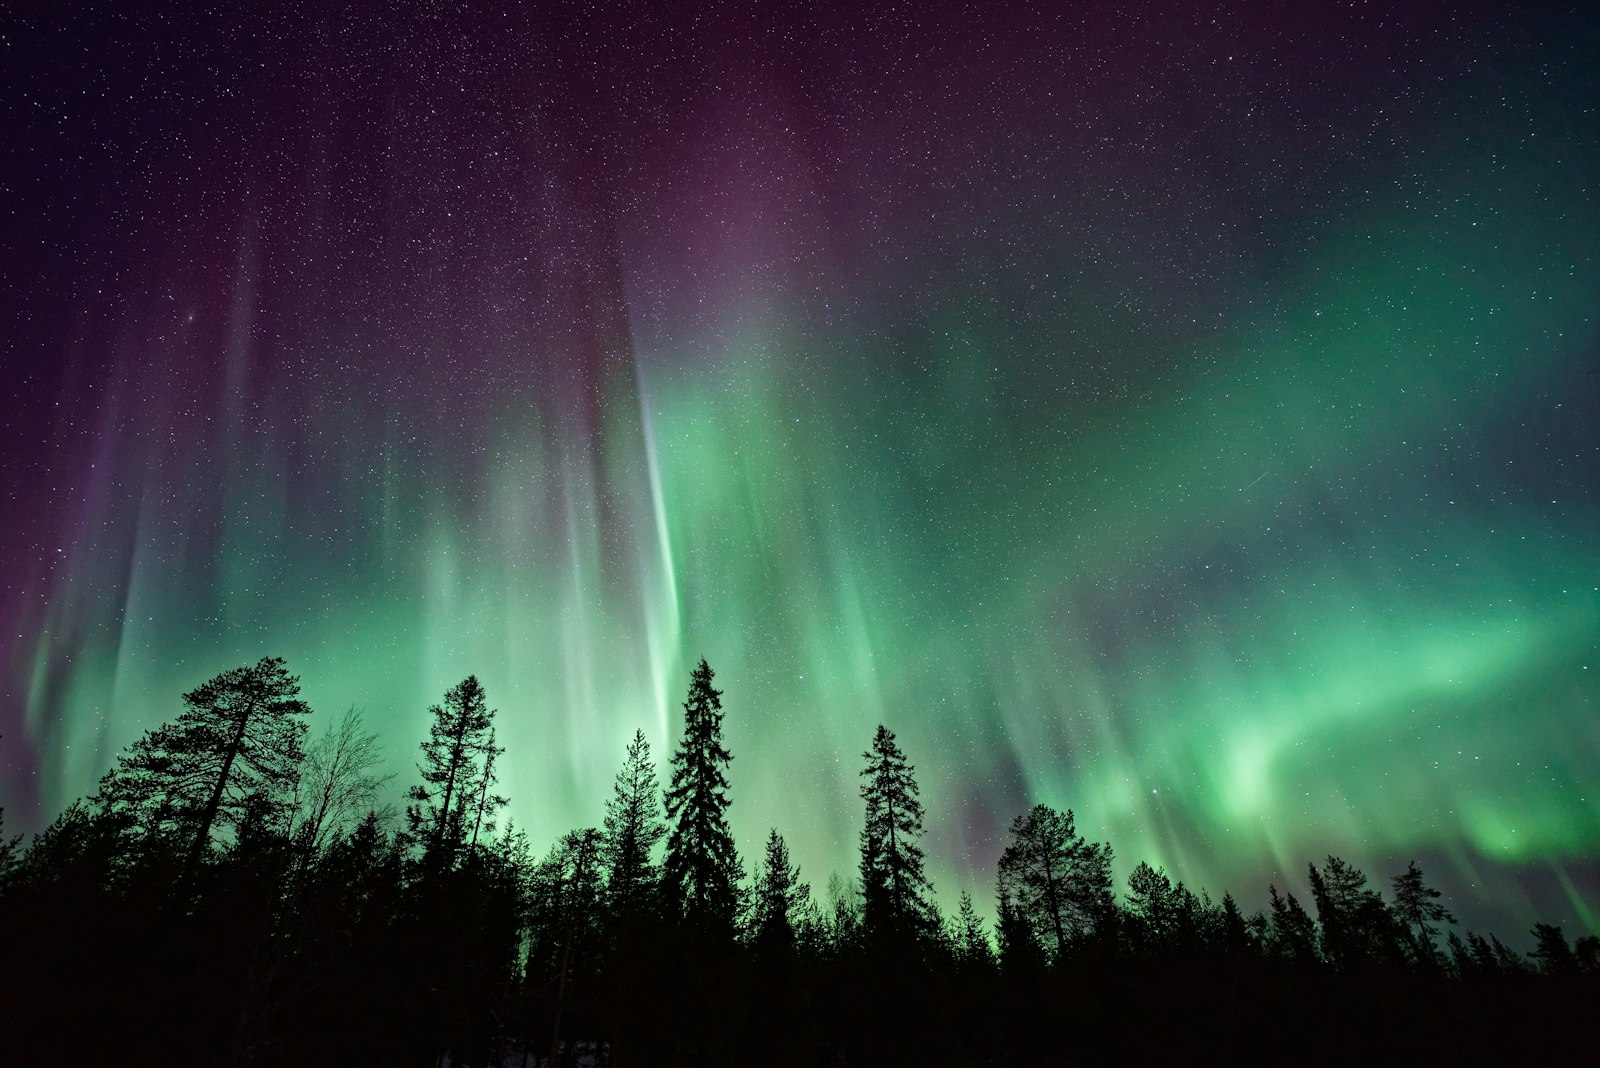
pixel 700 877
pixel 896 904
pixel 231 896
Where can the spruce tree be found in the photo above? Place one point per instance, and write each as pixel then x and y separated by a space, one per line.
pixel 894 888
pixel 971 941
pixel 633 829
pixel 236 746
pixel 1293 932
pixel 701 873
pixel 1551 952
pixel 780 900
pixel 459 737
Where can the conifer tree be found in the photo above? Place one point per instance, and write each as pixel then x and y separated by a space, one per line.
pixel 971 941
pixel 1020 954
pixel 894 888
pixel 701 873
pixel 1153 907
pixel 487 803
pixel 1416 905
pixel 1235 932
pixel 238 737
pixel 780 900
pixel 633 829
pixel 1059 883
pixel 566 900
pixel 1551 952
pixel 1356 924
pixel 458 738
pixel 1293 932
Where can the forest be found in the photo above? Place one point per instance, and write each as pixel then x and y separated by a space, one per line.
pixel 238 890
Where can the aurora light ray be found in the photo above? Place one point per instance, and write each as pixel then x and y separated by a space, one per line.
pixel 1046 392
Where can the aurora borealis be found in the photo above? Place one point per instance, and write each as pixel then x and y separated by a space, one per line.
pixel 1188 418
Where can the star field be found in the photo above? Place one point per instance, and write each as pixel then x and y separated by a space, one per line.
pixel 1188 418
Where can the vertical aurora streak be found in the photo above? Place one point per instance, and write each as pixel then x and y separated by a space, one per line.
pixel 1189 423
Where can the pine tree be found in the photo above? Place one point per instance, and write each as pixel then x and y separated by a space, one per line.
pixel 458 738
pixel 239 737
pixel 1059 883
pixel 701 873
pixel 1417 907
pixel 633 829
pixel 1356 924
pixel 894 888
pixel 1152 907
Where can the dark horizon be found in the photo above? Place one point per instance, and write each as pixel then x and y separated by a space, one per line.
pixel 1184 417
pixel 233 893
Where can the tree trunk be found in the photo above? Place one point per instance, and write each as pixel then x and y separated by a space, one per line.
pixel 214 805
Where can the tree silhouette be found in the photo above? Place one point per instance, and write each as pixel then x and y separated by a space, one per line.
pixel 780 901
pixel 566 924
pixel 238 737
pixel 1357 927
pixel 1551 953
pixel 459 736
pixel 701 873
pixel 1059 884
pixel 970 940
pixel 1153 907
pixel 1586 951
pixel 1293 933
pixel 1416 905
pixel 1235 931
pixel 893 886
pixel 1021 954
pixel 633 829
pixel 487 802
pixel 338 783
pixel 10 855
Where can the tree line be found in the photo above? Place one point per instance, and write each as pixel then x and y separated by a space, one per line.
pixel 236 891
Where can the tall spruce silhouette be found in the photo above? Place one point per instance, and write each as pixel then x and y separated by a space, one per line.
pixel 632 830
pixel 700 875
pixel 1057 882
pixel 459 738
pixel 894 888
pixel 235 748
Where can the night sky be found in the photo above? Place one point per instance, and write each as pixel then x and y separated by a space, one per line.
pixel 1188 417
